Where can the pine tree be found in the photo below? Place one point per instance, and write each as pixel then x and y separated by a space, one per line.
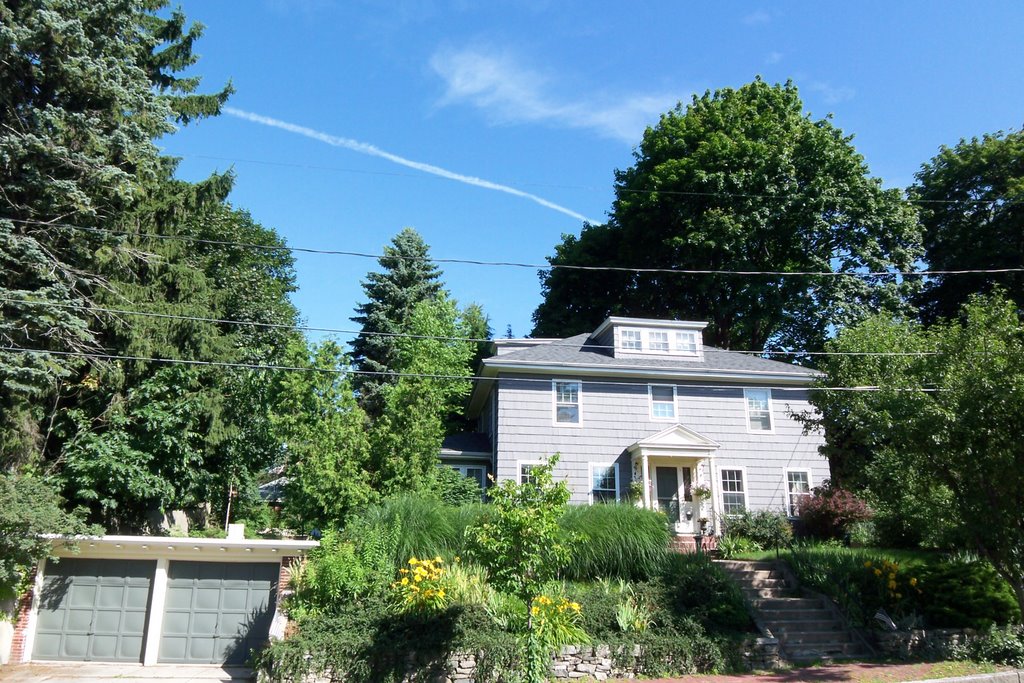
pixel 406 278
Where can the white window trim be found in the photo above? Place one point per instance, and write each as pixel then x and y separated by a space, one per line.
pixel 519 468
pixel 675 403
pixel 554 403
pixel 719 484
pixel 785 484
pixel 746 411
pixel 671 339
pixel 618 486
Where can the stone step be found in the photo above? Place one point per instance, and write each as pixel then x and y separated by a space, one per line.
pixel 755 575
pixel 754 593
pixel 746 564
pixel 812 614
pixel 824 639
pixel 795 625
pixel 808 655
pixel 785 604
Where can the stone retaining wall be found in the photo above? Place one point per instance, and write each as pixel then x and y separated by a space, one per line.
pixel 918 642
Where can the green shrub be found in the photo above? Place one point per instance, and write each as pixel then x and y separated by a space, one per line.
pixel 340 571
pixel 455 489
pixel 460 519
pixel 997 646
pixel 694 587
pixel 732 546
pixel 966 595
pixel 862 534
pixel 599 608
pixel 766 528
pixel 614 540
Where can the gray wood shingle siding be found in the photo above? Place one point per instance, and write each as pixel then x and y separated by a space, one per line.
pixel 616 413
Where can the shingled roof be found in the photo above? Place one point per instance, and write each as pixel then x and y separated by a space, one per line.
pixel 583 351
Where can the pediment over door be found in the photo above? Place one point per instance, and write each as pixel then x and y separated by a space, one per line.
pixel 677 440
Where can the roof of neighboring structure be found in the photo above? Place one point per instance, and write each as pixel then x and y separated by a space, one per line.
pixel 467 442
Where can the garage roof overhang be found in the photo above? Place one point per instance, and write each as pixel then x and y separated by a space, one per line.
pixel 174 547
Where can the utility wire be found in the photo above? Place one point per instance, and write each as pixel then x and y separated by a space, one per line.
pixel 590 188
pixel 513 264
pixel 472 378
pixel 404 335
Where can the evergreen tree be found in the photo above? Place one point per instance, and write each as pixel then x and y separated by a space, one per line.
pixel 406 278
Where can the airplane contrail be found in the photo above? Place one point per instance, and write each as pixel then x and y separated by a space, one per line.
pixel 371 150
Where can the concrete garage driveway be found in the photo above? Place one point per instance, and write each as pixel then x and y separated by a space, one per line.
pixel 123 673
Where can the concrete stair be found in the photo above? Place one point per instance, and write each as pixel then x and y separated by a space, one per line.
pixel 807 627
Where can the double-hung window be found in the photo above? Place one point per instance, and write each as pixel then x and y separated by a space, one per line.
pixel 658 340
pixel 663 401
pixel 686 342
pixel 798 487
pixel 631 340
pixel 526 472
pixel 759 409
pixel 734 492
pixel 567 401
pixel 604 487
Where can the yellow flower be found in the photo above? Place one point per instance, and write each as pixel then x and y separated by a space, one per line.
pixel 575 606
pixel 892 585
pixel 438 559
pixel 405 580
pixel 413 560
pixel 878 572
pixel 458 559
pixel 913 581
pixel 440 593
pixel 417 578
pixel 535 610
pixel 868 563
pixel 403 571
pixel 892 576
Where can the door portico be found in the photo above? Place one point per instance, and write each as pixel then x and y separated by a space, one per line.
pixel 673 467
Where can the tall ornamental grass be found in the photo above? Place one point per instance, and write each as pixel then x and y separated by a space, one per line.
pixel 613 540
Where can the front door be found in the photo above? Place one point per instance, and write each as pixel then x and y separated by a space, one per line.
pixel 666 482
pixel 674 492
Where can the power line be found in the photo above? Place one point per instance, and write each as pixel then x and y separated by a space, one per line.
pixel 590 188
pixel 533 266
pixel 469 378
pixel 404 335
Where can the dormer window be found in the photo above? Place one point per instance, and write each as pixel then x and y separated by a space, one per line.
pixel 649 340
pixel 631 340
pixel 686 342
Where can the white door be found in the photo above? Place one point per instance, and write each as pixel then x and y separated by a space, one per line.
pixel 673 486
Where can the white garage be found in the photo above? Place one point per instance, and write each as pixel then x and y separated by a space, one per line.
pixel 155 599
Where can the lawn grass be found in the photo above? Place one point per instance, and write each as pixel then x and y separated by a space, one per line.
pixel 903 556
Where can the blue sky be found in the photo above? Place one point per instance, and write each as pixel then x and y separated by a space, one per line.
pixel 493 127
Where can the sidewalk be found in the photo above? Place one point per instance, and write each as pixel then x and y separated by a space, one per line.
pixel 940 672
pixel 122 673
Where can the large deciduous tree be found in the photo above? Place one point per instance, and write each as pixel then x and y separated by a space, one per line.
pixel 972 210
pixel 406 278
pixel 939 441
pixel 739 180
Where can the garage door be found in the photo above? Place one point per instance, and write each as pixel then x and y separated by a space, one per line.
pixel 216 612
pixel 93 610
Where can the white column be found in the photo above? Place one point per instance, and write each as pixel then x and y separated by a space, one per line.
pixel 647 481
pixel 156 612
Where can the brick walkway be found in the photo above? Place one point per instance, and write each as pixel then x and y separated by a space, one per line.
pixel 846 673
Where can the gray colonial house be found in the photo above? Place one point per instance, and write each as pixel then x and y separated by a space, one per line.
pixel 641 409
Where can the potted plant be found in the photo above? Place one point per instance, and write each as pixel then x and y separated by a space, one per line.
pixel 702 491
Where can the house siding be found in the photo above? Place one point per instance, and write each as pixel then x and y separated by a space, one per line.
pixel 616 413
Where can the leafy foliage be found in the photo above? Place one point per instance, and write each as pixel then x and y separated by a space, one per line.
pixel 29 507
pixel 830 512
pixel 455 489
pixel 740 179
pixel 614 541
pixel 967 594
pixel 943 428
pixel 997 646
pixel 764 528
pixel 972 211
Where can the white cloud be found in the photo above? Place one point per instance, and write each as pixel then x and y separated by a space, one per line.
pixel 832 94
pixel 374 151
pixel 758 17
pixel 773 58
pixel 510 93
